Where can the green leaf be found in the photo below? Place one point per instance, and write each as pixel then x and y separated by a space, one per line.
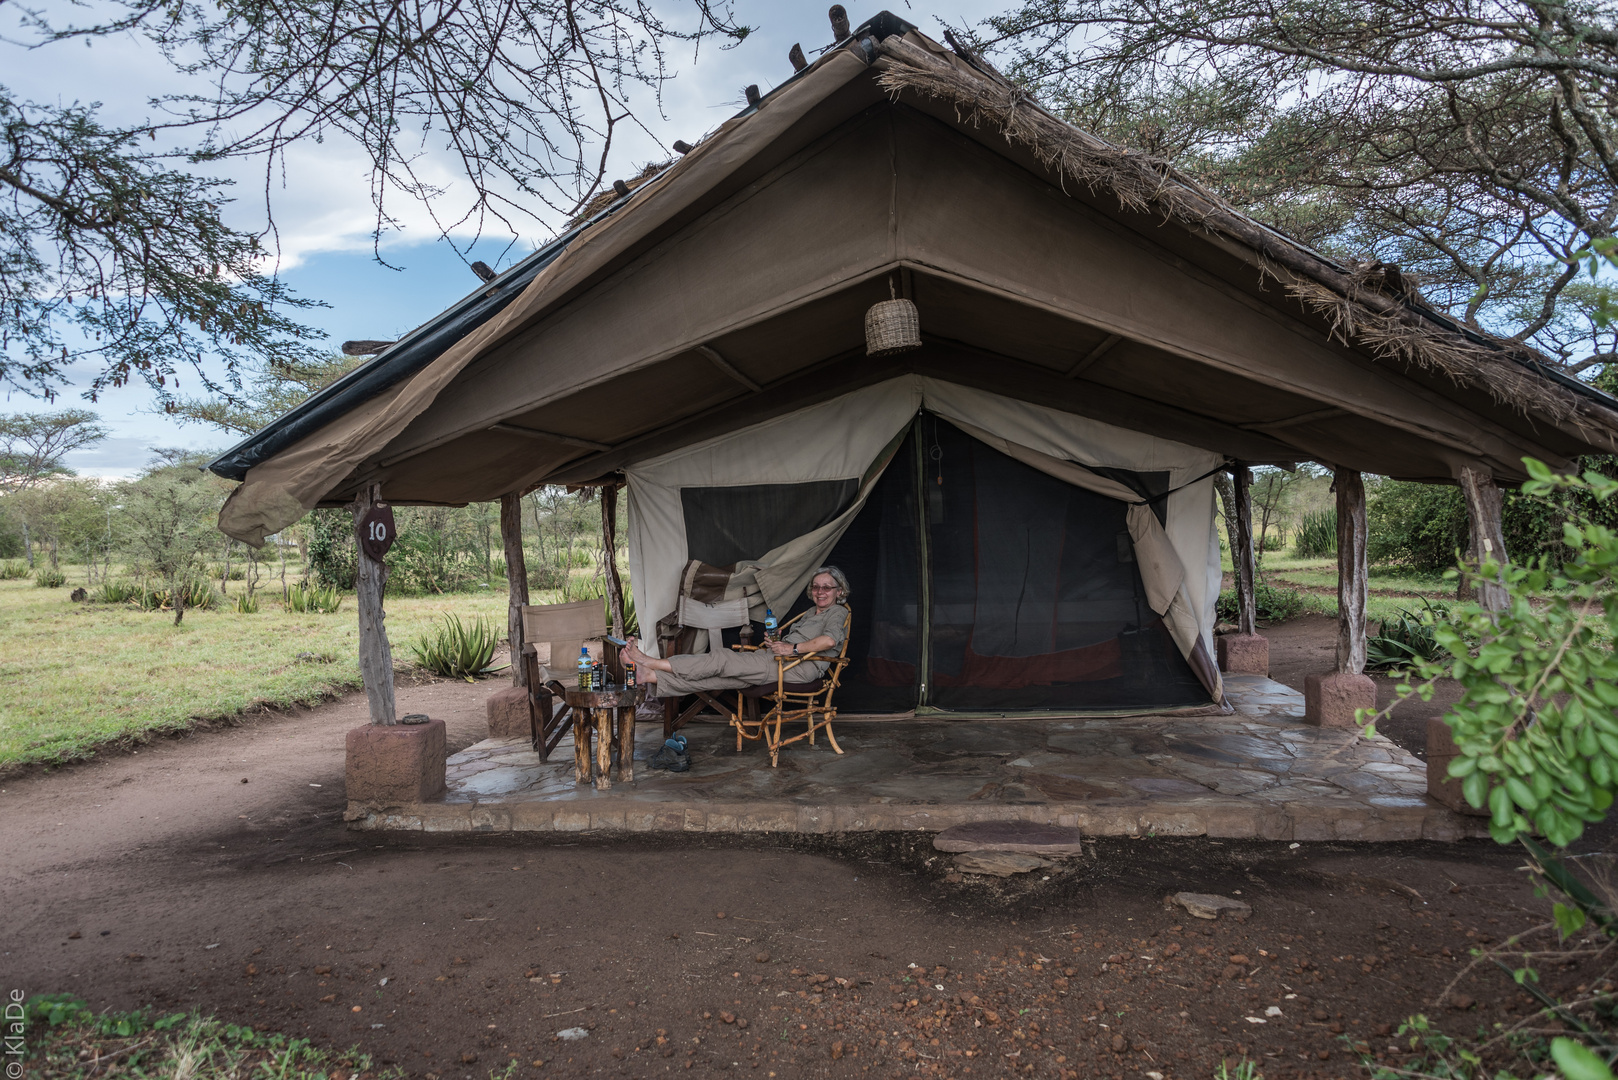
pixel 1569 920
pixel 1521 795
pixel 1577 1062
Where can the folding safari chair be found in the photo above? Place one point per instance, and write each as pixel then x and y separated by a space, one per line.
pixel 700 608
pixel 553 634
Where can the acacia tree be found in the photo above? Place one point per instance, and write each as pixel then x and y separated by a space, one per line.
pixel 1471 143
pixel 168 515
pixel 113 245
pixel 32 446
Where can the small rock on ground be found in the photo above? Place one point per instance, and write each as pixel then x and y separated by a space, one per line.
pixel 1027 837
pixel 1209 906
pixel 999 863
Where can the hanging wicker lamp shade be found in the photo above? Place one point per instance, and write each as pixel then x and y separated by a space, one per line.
pixel 892 326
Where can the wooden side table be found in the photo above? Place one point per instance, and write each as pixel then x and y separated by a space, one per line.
pixel 594 713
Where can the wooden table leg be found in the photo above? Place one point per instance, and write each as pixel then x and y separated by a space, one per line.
pixel 582 728
pixel 626 745
pixel 603 726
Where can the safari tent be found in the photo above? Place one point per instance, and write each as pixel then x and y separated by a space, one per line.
pixel 1025 499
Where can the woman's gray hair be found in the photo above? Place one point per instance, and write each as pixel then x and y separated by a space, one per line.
pixel 837 576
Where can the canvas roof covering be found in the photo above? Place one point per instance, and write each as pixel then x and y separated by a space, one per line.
pixel 1047 267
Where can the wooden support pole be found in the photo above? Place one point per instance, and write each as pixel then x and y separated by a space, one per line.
pixel 516 581
pixel 1352 580
pixel 1243 556
pixel 376 656
pixel 1487 539
pixel 609 544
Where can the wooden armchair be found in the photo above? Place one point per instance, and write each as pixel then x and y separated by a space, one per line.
pixel 553 634
pixel 792 702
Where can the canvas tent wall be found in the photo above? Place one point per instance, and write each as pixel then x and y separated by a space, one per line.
pixel 1009 572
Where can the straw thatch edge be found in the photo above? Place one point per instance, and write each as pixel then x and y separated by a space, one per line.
pixel 1388 327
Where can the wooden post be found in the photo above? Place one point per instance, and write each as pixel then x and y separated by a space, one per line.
pixel 1243 556
pixel 1487 536
pixel 1352 581
pixel 376 656
pixel 516 581
pixel 609 542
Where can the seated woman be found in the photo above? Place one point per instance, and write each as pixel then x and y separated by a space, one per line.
pixel 819 630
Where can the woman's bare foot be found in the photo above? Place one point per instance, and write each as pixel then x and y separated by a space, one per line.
pixel 645 666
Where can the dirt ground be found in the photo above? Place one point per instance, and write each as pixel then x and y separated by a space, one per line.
pixel 215 872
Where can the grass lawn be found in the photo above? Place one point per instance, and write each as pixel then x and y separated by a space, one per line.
pixel 73 676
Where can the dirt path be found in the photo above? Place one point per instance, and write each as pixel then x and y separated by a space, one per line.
pixel 160 879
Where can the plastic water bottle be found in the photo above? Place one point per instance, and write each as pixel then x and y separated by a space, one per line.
pixel 586 668
pixel 769 625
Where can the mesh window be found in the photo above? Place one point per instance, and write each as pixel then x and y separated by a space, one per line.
pixel 724 525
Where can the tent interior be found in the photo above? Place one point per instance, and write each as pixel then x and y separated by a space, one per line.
pixel 983 581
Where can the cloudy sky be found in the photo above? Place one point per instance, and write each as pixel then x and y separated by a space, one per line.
pixel 323 210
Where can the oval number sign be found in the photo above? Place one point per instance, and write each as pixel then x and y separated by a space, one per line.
pixel 377 531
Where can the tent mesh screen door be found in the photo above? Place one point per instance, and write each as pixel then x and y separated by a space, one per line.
pixel 1034 598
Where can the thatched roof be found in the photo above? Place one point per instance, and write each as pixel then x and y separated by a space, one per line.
pixel 1049 267
pixel 1394 327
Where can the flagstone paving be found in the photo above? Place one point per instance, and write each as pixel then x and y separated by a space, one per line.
pixel 1259 772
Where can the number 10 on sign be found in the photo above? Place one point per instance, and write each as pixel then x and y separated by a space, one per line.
pixel 377 531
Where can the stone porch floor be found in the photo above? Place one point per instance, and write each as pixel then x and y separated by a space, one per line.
pixel 1257 773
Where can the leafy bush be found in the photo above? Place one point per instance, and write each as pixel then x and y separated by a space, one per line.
pixel 457 650
pixel 1537 721
pixel 1270 603
pixel 246 605
pixel 313 599
pixel 198 594
pixel 1406 638
pixel 1316 536
pixel 48 578
pixel 13 571
pixel 116 592
pixel 1276 541
pixel 333 556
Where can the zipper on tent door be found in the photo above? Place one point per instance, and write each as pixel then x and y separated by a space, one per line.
pixel 924 614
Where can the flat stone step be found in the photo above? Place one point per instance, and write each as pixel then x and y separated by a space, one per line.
pixel 1023 837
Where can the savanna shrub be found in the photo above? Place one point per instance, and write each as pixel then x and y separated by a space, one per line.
pixel 1316 535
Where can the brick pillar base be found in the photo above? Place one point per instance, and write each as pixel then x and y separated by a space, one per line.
pixel 509 716
pixel 1330 700
pixel 1441 751
pixel 396 765
pixel 1243 654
